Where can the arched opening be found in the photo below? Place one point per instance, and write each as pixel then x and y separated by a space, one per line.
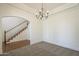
pixel 15 32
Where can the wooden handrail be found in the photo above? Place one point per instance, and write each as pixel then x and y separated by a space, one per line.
pixel 16 34
pixel 17 26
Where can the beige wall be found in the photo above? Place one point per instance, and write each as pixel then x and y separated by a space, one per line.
pixel 63 28
pixel 1 37
pixel 10 22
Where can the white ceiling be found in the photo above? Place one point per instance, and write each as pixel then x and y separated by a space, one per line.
pixel 47 6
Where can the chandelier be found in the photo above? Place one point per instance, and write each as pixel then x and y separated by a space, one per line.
pixel 42 14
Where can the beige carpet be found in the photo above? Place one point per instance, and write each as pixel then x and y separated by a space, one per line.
pixel 43 49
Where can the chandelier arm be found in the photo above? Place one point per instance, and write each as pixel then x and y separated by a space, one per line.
pixel 41 14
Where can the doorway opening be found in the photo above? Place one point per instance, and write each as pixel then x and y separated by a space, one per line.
pixel 15 32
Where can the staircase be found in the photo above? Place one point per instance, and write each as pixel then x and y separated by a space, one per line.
pixel 11 36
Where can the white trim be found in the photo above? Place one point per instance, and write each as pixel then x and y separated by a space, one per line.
pixel 61 45
pixel 51 12
pixel 22 8
pixel 62 7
